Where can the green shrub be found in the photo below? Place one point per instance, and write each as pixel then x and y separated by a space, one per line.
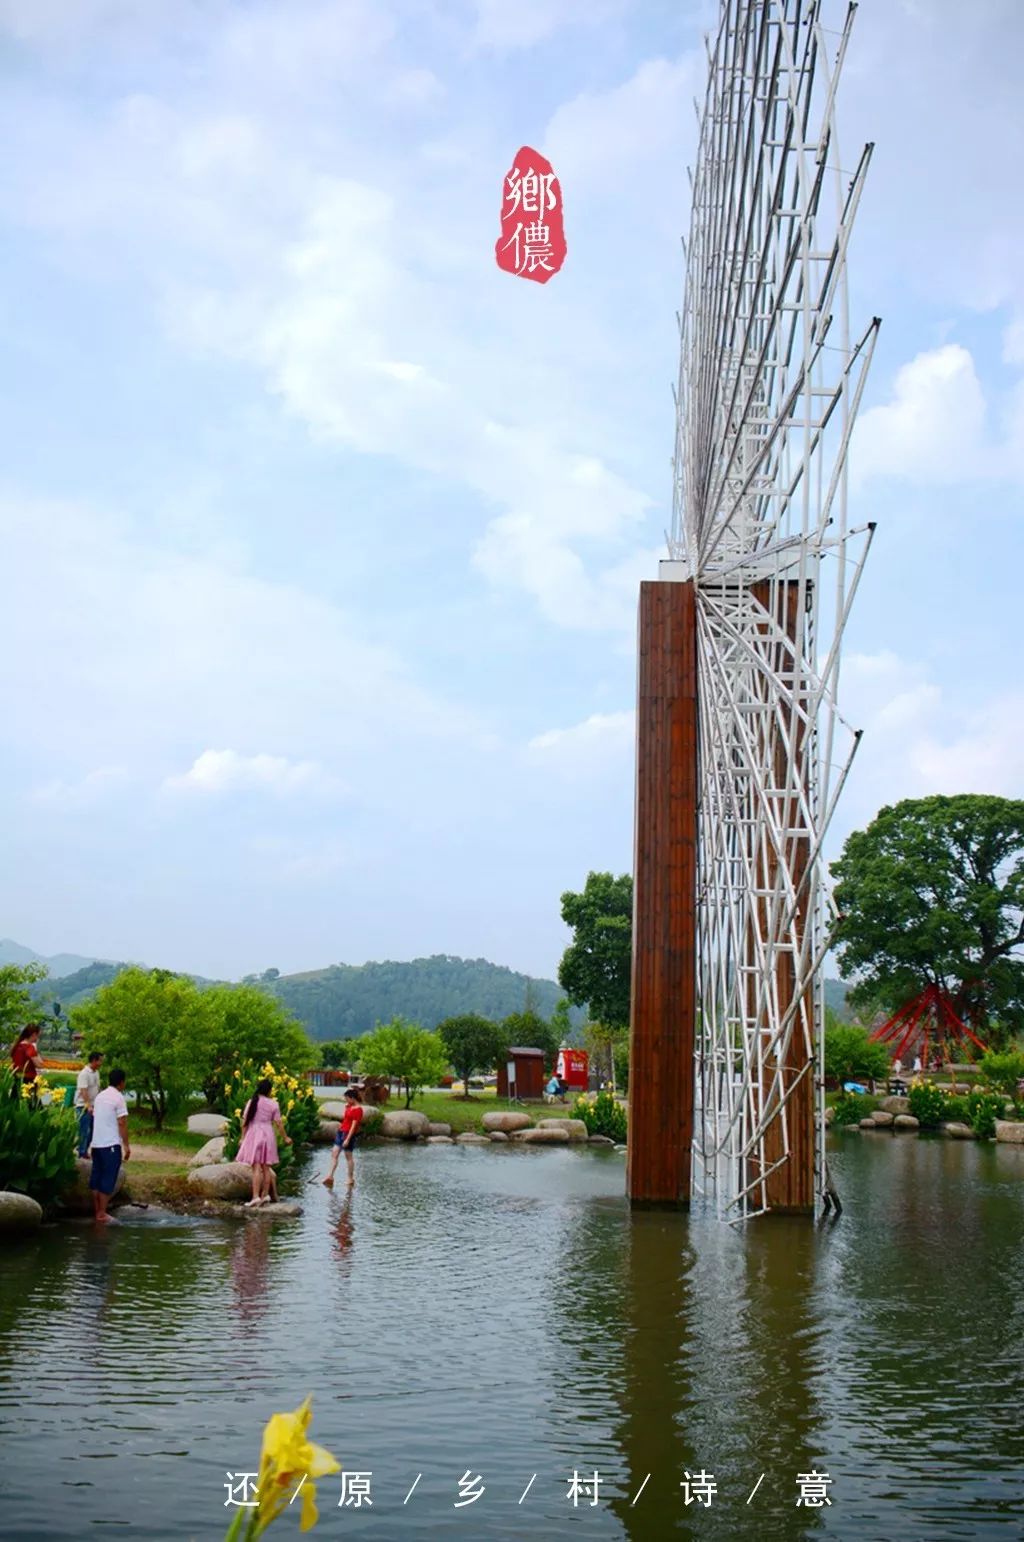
pixel 928 1103
pixel 851 1053
pixel 37 1141
pixel 852 1107
pixel 602 1115
pixel 983 1109
pixel 1003 1072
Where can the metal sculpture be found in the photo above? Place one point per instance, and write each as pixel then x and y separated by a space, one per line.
pixel 769 385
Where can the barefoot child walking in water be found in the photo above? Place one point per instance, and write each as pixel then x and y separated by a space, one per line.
pixel 346 1137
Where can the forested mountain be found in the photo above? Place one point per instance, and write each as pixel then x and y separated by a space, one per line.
pixel 72 989
pixel 347 999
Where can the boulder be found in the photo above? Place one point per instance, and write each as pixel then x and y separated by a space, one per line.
pixel 600 1140
pixel 78 1198
pixel 905 1122
pixel 882 1118
pixel 546 1137
pixel 330 1110
pixel 471 1139
pixel 207 1124
pixel 276 1210
pixel 498 1138
pixel 222 1180
pixel 324 1136
pixel 18 1212
pixel 404 1124
pixel 440 1140
pixel 830 1114
pixel 868 1124
pixel 954 1130
pixel 212 1152
pixel 506 1123
pixel 895 1105
pixel 574 1128
pixel 1010 1131
pixel 438 1129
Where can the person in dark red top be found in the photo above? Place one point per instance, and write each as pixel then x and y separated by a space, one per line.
pixel 345 1139
pixel 25 1056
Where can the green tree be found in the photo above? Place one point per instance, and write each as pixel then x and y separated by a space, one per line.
pixel 850 1053
pixel 932 893
pixel 406 1053
pixel 595 967
pixel 16 1006
pixel 529 1030
pixel 562 1025
pixel 333 1053
pixel 245 1022
pixel 151 1023
pixel 472 1043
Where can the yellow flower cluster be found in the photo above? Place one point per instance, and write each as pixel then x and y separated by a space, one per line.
pixel 37 1089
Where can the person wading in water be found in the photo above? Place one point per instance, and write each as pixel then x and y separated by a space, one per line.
pixel 346 1137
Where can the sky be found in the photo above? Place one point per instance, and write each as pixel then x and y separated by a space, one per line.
pixel 321 535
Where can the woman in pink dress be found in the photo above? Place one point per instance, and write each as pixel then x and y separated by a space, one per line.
pixel 259 1147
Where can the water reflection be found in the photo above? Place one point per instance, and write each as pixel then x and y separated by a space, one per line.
pixel 504 1311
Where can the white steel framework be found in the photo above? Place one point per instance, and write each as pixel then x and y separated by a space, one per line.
pixel 769 384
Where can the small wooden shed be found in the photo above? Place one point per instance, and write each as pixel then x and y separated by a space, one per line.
pixel 529 1069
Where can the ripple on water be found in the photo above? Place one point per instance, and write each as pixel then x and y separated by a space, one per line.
pixel 503 1311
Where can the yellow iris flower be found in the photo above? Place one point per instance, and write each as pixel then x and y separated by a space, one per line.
pixel 287 1458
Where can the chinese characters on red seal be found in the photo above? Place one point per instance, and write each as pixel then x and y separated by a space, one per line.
pixel 532 240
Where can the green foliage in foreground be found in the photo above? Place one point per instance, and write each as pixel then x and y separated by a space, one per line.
pixel 37 1142
pixel 1003 1072
pixel 602 1115
pixel 406 1053
pixel 850 1053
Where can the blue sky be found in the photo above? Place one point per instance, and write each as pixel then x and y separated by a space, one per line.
pixel 322 535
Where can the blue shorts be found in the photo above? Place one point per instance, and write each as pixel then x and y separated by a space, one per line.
pixel 106 1164
pixel 339 1140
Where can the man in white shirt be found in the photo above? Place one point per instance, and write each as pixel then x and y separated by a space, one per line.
pixel 86 1092
pixel 109 1142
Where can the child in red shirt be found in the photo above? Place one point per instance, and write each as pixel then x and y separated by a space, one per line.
pixel 346 1137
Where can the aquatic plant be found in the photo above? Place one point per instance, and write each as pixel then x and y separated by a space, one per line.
pixel 289 1461
pixel 602 1115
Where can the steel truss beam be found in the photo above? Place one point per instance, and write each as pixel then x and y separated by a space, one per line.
pixel 769 386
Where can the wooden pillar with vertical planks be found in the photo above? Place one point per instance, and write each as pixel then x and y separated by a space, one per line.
pixel 662 1021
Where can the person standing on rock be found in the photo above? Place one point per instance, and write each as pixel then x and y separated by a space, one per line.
pixel 259 1146
pixel 109 1143
pixel 87 1090
pixel 345 1139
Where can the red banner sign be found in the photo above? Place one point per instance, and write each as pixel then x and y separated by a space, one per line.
pixel 532 240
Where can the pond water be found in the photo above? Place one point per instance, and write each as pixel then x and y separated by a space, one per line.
pixel 500 1312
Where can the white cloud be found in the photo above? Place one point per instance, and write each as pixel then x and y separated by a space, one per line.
pixel 92 788
pixel 511 24
pixel 932 430
pixel 226 771
pixel 603 741
pixel 602 139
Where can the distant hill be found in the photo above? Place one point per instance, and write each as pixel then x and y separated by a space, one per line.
pixel 71 990
pixel 836 992
pixel 58 964
pixel 348 999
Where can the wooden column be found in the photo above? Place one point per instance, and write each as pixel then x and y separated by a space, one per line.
pixel 790 1188
pixel 664 899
